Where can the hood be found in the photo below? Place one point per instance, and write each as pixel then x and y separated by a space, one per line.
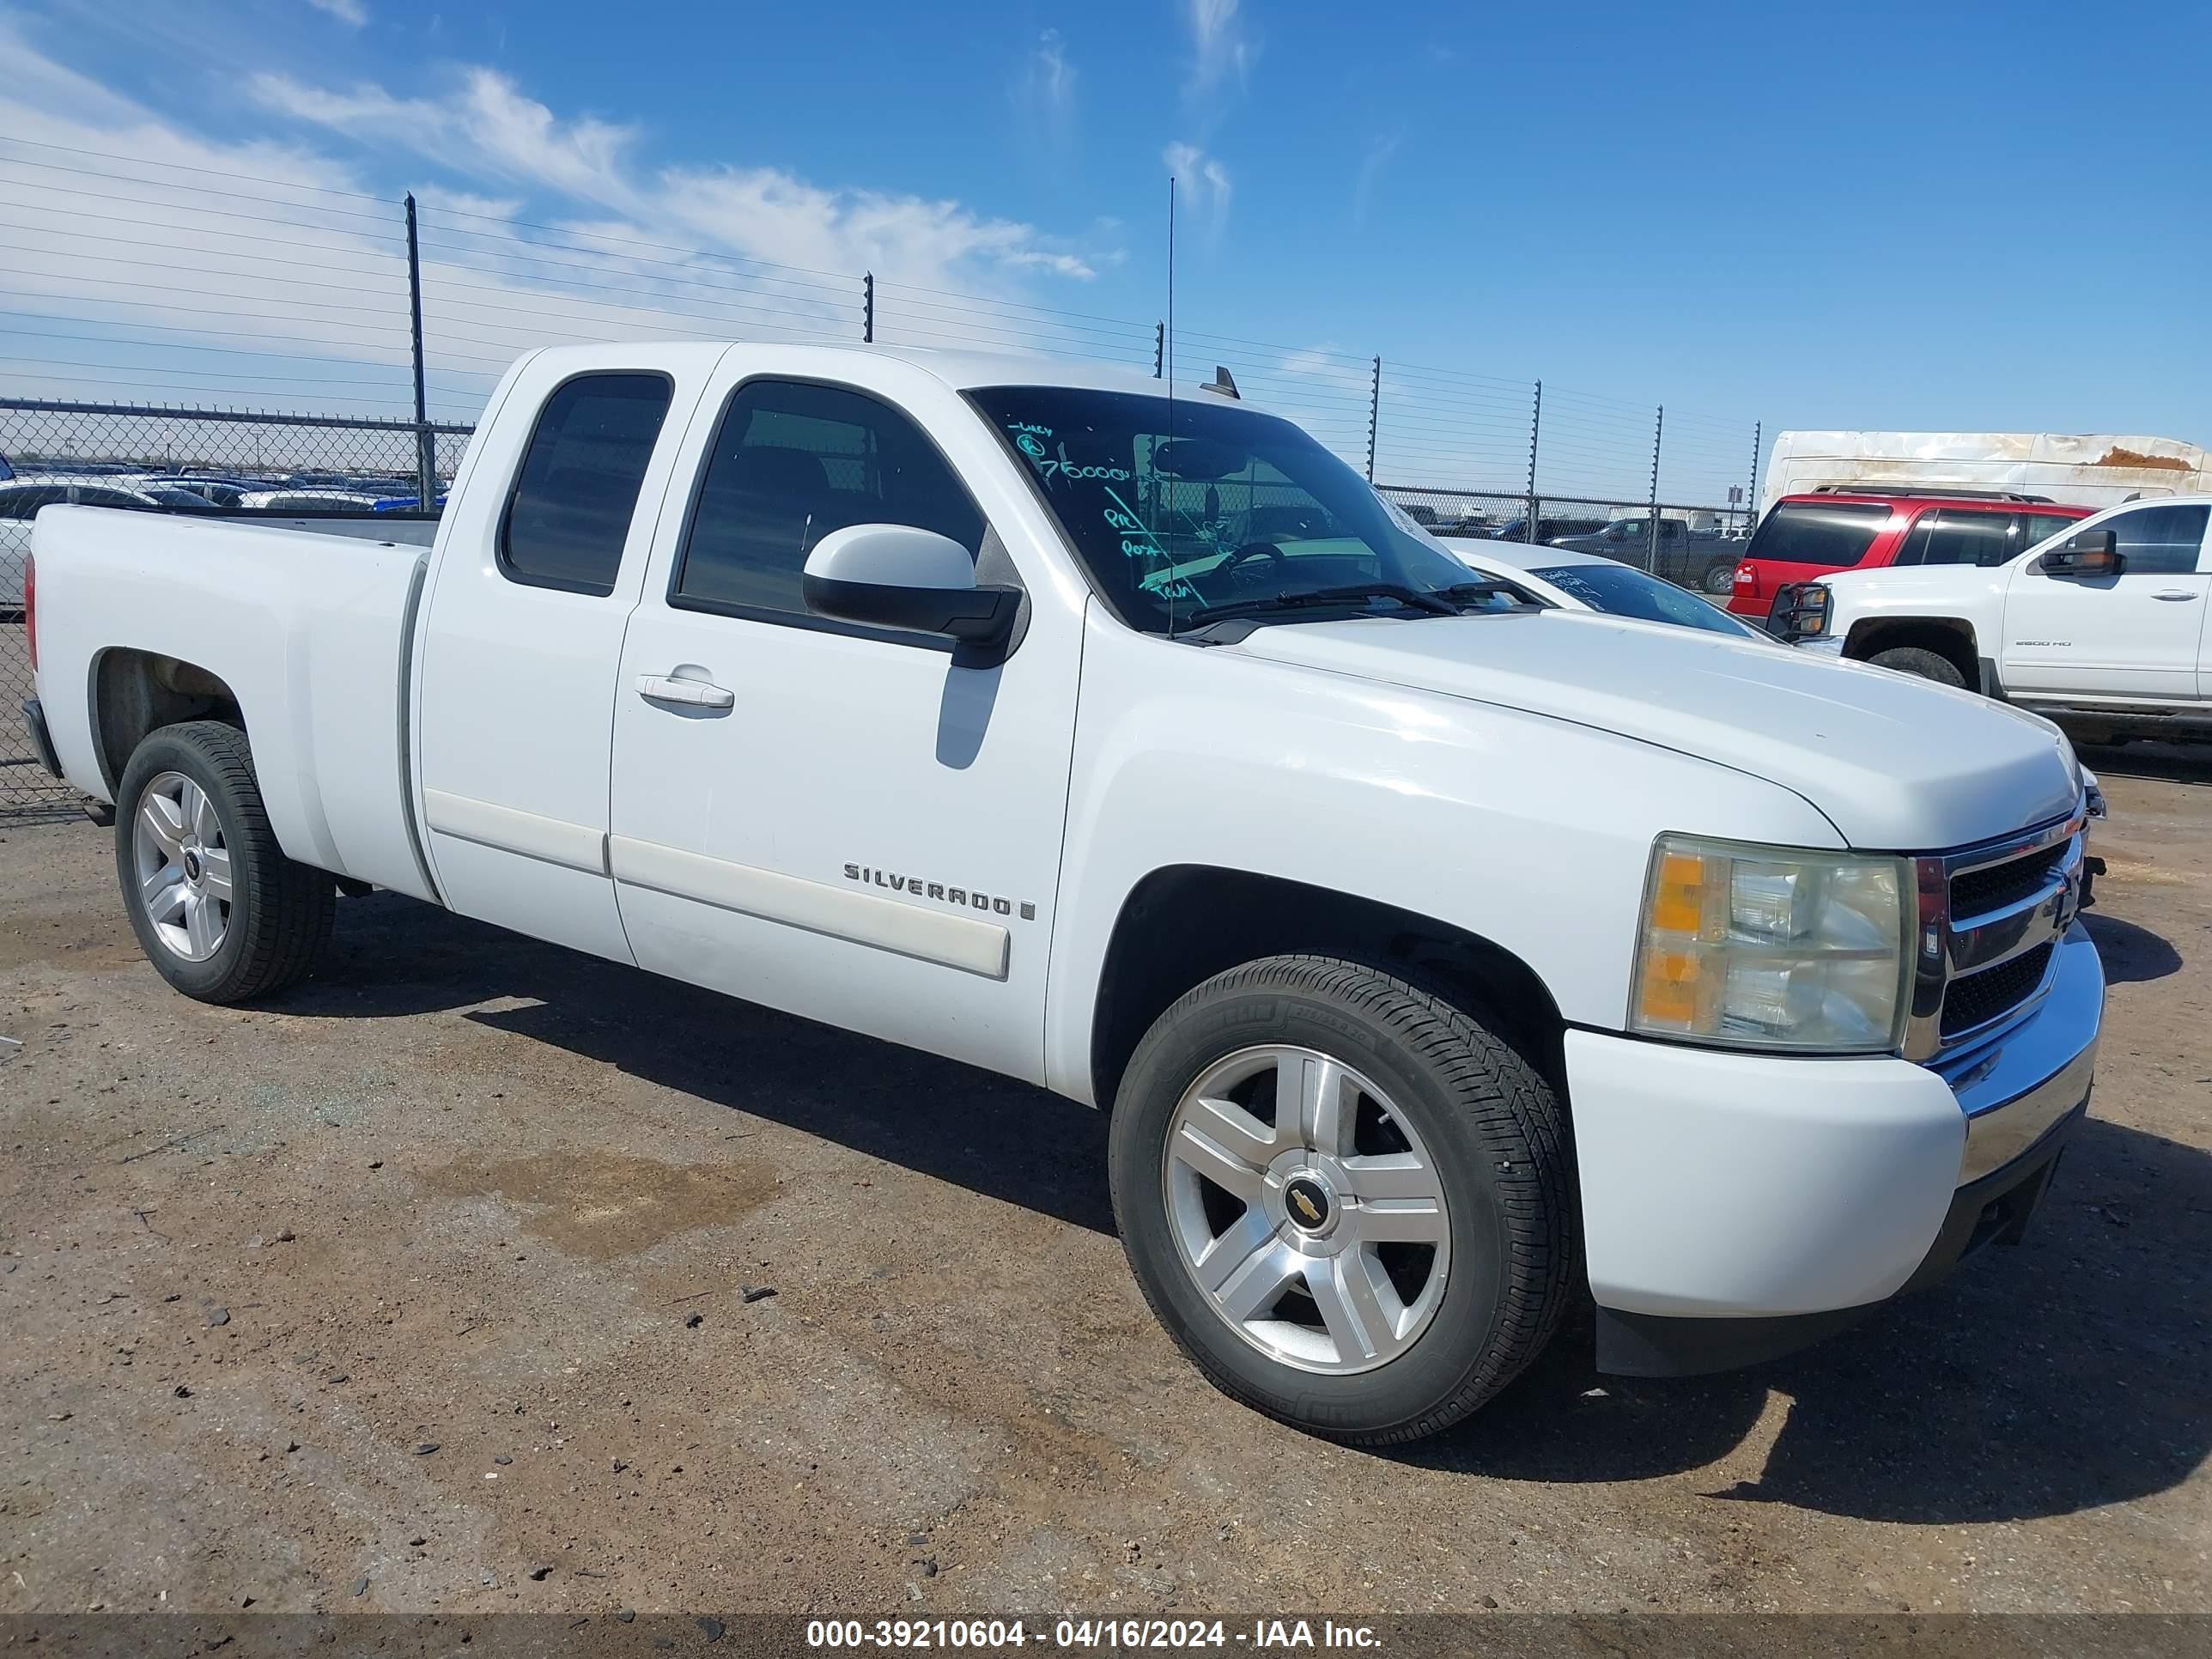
pixel 1896 763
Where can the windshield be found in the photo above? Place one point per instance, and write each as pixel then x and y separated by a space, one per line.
pixel 1223 506
pixel 1629 592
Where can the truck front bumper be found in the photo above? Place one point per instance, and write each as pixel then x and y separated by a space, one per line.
pixel 1736 1206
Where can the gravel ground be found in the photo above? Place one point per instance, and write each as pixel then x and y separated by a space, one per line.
pixel 426 1288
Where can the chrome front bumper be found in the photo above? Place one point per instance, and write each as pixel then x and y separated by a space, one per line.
pixel 2014 1089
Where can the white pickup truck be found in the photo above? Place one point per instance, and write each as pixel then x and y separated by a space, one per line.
pixel 1438 951
pixel 2104 630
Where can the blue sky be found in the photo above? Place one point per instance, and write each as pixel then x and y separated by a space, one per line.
pixel 1945 216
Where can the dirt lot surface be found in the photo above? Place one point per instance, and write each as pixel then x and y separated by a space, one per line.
pixel 433 1275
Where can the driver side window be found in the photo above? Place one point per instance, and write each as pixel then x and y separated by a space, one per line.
pixel 2163 540
pixel 791 462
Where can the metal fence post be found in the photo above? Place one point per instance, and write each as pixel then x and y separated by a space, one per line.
pixel 1159 347
pixel 1751 492
pixel 1535 431
pixel 426 441
pixel 868 307
pixel 1658 434
pixel 1374 415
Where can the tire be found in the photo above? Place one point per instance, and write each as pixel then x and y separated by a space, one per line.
pixel 1914 660
pixel 1426 1083
pixel 1721 579
pixel 266 935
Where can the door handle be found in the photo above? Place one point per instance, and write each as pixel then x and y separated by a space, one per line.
pixel 2173 593
pixel 687 693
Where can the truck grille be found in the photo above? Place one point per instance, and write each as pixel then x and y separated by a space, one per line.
pixel 1980 998
pixel 1990 920
pixel 1978 892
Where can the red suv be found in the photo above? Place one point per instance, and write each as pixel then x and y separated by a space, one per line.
pixel 1833 528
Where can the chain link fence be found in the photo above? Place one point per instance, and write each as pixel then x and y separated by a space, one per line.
pixel 203 462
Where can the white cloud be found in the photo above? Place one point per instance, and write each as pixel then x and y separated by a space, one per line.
pixel 1202 182
pixel 485 125
pixel 346 11
pixel 1049 79
pixel 154 264
pixel 1220 48
pixel 1380 149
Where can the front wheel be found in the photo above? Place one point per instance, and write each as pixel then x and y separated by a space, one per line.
pixel 1914 660
pixel 220 911
pixel 1348 1202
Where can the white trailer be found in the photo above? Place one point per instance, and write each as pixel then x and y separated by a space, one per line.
pixel 2087 470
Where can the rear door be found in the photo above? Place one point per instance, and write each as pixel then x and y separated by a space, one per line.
pixel 539 568
pixel 1961 535
pixel 2135 636
pixel 1801 541
pixel 838 821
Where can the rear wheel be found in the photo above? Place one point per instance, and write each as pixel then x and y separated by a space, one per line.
pixel 220 911
pixel 1915 660
pixel 1721 579
pixel 1346 1200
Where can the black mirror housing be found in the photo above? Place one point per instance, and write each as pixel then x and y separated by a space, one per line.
pixel 2085 553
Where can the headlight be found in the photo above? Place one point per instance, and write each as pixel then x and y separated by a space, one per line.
pixel 1767 947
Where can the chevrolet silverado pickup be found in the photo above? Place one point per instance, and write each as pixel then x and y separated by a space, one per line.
pixel 1440 954
pixel 2102 629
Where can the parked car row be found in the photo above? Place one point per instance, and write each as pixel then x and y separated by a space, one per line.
pixel 2096 620
pixel 23 492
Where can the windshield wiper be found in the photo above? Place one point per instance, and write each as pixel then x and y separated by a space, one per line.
pixel 1436 603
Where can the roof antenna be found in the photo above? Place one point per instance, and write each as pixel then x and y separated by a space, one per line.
pixel 1222 383
pixel 1160 509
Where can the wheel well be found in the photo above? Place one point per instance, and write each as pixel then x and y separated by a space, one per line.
pixel 135 693
pixel 1951 639
pixel 1183 925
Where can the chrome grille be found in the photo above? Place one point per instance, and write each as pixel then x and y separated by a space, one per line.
pixel 1990 917
pixel 1978 998
pixel 1976 893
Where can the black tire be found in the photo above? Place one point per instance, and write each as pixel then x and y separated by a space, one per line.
pixel 280 911
pixel 1498 1138
pixel 1721 579
pixel 1915 660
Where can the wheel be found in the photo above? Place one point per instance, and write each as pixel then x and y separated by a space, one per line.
pixel 220 911
pixel 1914 660
pixel 1721 579
pixel 1348 1202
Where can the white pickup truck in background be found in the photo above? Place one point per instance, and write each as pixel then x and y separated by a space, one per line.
pixel 2104 630
pixel 1437 950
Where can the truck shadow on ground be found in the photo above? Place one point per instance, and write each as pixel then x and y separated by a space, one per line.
pixel 2175 762
pixel 392 957
pixel 2058 1376
pixel 2129 952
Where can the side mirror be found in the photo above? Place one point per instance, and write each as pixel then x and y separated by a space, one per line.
pixel 2084 553
pixel 895 575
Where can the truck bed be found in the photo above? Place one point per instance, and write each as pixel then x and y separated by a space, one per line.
pixel 305 621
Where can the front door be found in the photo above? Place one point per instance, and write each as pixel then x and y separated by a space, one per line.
pixel 839 821
pixel 2130 636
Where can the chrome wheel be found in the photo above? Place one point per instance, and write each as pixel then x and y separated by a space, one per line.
pixel 1306 1209
pixel 183 866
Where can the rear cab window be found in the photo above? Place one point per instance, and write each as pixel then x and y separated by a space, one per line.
pixel 1834 535
pixel 569 513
